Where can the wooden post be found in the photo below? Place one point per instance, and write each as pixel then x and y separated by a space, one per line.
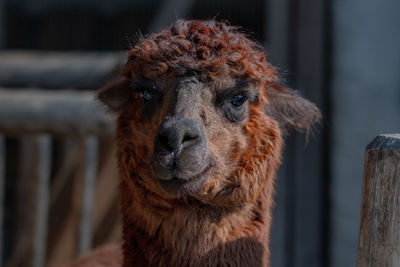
pixel 89 177
pixel 42 202
pixel 379 237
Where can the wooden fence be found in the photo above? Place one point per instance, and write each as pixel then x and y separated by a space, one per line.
pixel 42 120
pixel 379 237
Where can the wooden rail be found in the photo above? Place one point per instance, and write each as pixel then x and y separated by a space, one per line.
pixel 53 70
pixel 56 112
pixel 379 237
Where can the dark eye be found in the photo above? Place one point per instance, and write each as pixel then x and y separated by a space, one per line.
pixel 145 88
pixel 238 100
pixel 145 96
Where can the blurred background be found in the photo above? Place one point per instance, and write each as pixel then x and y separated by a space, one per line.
pixel 57 170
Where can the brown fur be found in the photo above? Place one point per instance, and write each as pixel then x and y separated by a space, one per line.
pixel 226 220
pixel 107 256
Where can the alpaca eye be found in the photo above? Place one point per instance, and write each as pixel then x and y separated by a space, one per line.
pixel 145 88
pixel 145 96
pixel 238 100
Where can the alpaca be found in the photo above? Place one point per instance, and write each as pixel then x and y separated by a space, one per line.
pixel 201 118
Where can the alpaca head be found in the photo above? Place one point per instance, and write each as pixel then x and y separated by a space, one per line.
pixel 201 116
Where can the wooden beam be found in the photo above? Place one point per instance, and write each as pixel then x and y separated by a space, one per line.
pixel 83 70
pixel 55 112
pixel 379 236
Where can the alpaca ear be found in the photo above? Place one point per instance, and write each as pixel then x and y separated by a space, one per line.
pixel 290 109
pixel 115 94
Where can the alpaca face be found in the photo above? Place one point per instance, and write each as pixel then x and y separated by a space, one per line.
pixel 188 147
pixel 196 137
pixel 186 136
pixel 201 114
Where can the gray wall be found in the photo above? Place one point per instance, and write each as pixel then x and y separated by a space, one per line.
pixel 365 102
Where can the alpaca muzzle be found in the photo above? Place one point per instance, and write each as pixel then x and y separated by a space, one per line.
pixel 179 158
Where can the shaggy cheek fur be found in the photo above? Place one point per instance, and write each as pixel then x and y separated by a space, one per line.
pixel 253 152
pixel 135 144
pixel 223 145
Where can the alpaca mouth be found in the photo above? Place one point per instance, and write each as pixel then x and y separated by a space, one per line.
pixel 187 184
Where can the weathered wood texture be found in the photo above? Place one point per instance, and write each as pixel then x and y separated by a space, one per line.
pixel 89 177
pixel 44 227
pixel 42 202
pixel 83 70
pixel 46 233
pixel 55 112
pixel 379 237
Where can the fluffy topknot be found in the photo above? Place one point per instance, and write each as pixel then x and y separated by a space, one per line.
pixel 209 48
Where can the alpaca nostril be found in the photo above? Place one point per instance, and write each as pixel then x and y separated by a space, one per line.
pixel 164 140
pixel 190 137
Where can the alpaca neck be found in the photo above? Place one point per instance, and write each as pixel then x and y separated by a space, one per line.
pixel 188 236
